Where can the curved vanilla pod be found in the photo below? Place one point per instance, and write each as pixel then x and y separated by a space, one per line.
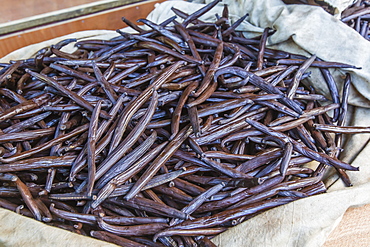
pixel 261 83
pixel 134 105
pixel 321 157
pixel 163 157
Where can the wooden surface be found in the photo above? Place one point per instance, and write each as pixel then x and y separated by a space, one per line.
pixel 106 20
pixel 14 10
pixel 48 16
pixel 353 230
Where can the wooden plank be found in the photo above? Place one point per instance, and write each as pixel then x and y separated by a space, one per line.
pixel 353 229
pixel 11 11
pixel 106 20
pixel 62 14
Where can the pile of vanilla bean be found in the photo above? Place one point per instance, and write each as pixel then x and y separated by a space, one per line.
pixel 165 137
pixel 357 16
